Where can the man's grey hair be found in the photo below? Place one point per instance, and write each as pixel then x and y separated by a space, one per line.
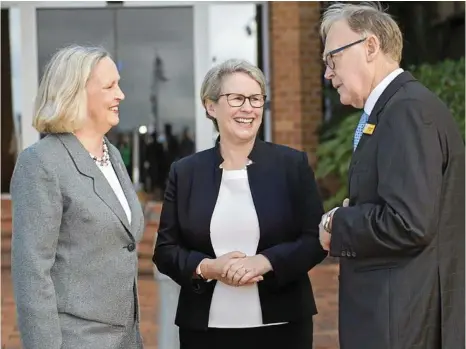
pixel 211 88
pixel 366 18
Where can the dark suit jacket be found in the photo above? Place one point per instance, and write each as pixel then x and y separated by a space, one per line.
pixel 401 241
pixel 289 210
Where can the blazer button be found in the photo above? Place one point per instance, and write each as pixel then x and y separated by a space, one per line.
pixel 131 247
pixel 343 253
pixel 353 254
pixel 197 288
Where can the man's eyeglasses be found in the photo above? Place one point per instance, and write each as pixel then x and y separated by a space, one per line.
pixel 237 100
pixel 329 56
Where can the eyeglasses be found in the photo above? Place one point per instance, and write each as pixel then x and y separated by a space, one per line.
pixel 237 100
pixel 329 56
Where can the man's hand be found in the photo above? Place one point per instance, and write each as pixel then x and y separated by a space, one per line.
pixel 325 236
pixel 247 270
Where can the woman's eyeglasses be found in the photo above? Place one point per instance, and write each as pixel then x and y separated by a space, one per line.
pixel 237 100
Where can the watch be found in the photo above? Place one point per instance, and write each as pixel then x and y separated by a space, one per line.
pixel 327 220
pixel 327 223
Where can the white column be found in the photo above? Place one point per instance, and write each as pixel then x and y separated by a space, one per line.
pixel 205 131
pixel 27 64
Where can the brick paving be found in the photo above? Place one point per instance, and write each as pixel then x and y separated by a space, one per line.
pixel 324 281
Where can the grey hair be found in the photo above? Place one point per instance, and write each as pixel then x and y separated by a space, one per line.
pixel 61 101
pixel 211 88
pixel 366 18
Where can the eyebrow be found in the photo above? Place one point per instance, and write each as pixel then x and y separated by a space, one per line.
pixel 113 81
pixel 325 54
pixel 236 93
pixel 341 48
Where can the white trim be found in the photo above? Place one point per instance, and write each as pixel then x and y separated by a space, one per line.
pixel 132 3
pixel 204 131
pixel 103 4
pixel 267 71
pixel 55 4
pixel 202 63
pixel 28 71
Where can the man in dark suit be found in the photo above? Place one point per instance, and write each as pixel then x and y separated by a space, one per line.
pixel 400 238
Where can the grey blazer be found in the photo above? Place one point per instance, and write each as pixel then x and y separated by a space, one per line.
pixel 74 262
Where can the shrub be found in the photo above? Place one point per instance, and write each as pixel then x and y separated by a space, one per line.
pixel 446 80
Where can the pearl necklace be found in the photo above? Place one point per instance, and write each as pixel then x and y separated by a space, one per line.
pixel 105 160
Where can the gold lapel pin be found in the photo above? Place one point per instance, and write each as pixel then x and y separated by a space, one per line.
pixel 369 129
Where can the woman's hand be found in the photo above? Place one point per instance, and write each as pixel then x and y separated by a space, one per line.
pixel 218 268
pixel 213 268
pixel 246 270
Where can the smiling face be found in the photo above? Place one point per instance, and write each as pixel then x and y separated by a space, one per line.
pixel 104 96
pixel 238 122
pixel 352 71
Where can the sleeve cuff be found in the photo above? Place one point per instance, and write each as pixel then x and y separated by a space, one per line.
pixel 339 244
pixel 198 271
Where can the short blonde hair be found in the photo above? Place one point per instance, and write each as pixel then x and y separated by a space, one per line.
pixel 211 88
pixel 61 102
pixel 366 18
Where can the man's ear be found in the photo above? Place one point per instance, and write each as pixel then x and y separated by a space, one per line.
pixel 372 47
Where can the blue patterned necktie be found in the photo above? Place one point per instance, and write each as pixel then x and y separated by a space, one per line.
pixel 359 129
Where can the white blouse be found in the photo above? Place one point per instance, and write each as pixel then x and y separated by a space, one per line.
pixel 114 182
pixel 235 227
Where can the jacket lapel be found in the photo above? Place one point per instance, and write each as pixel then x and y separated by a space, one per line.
pixel 87 167
pixel 259 182
pixel 376 113
pixel 128 190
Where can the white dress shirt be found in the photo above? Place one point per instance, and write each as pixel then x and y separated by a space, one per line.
pixel 378 90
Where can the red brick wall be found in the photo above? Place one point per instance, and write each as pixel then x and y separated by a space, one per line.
pixel 296 72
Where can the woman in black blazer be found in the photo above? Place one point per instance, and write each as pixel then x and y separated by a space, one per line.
pixel 239 227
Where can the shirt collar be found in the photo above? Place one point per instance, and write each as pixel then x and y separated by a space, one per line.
pixel 378 90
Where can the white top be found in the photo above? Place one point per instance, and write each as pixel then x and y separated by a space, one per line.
pixel 235 227
pixel 114 182
pixel 378 90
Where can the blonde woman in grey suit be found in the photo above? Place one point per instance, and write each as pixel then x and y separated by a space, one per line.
pixel 76 217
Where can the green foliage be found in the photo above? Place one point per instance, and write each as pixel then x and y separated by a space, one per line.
pixel 334 155
pixel 445 79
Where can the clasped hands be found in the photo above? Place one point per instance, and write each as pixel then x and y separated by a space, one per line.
pixel 236 268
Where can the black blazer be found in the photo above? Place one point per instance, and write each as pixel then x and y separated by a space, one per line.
pixel 289 210
pixel 401 242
